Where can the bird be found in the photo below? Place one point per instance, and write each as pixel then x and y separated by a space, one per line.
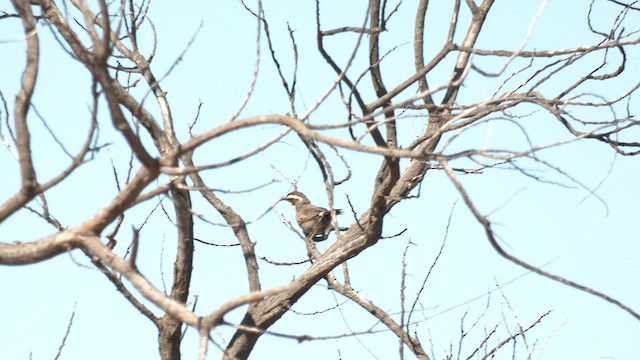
pixel 315 221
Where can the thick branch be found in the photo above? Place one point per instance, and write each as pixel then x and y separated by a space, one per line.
pixel 122 201
pixel 23 100
pixel 20 253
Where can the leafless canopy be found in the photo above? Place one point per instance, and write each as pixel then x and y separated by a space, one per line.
pixel 116 44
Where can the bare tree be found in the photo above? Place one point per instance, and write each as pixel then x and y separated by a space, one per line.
pixel 369 115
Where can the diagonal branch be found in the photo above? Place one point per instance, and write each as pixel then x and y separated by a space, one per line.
pixel 486 224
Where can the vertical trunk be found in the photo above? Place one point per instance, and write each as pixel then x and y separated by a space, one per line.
pixel 169 329
pixel 169 333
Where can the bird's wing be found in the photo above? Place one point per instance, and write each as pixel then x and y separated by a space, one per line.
pixel 308 212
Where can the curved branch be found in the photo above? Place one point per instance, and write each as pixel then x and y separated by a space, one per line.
pixel 297 126
pixel 46 248
pixel 234 220
pixel 122 201
pixel 23 100
pixel 418 45
pixel 342 73
pixel 486 224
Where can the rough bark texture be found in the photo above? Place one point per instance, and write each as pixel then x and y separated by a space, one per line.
pixel 105 39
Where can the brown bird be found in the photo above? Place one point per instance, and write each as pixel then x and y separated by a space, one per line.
pixel 315 221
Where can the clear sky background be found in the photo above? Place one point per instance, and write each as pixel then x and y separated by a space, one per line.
pixel 591 239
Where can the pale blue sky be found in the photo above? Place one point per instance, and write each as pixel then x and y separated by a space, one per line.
pixel 574 234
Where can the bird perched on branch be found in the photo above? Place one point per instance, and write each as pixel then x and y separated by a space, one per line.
pixel 315 221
